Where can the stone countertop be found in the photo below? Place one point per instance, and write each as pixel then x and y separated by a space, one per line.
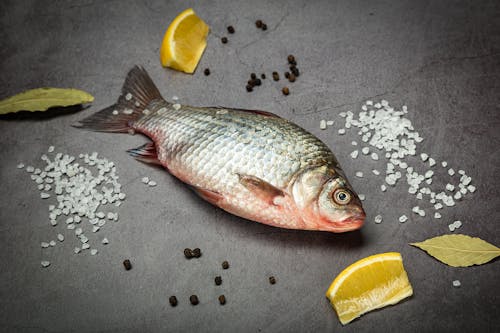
pixel 441 59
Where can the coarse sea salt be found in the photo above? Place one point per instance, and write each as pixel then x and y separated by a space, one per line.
pixel 81 189
pixel 387 129
pixel 322 124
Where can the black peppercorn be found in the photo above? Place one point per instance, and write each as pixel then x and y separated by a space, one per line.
pixel 196 253
pixel 173 300
pixel 194 299
pixel 225 265
pixel 127 264
pixel 276 76
pixel 291 78
pixel 264 26
pixel 222 299
pixel 253 76
pixel 285 91
pixel 263 76
pixel 294 70
pixel 257 82
pixel 223 40
pixel 230 29
pixel 287 74
pixel 291 59
pixel 188 253
pixel 272 280
pixel 218 280
pixel 249 87
pixel 258 24
pixel 207 71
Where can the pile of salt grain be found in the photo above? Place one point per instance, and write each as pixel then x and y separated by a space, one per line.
pixel 79 194
pixel 386 129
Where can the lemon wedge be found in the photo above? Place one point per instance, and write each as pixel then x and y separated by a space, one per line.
pixel 368 284
pixel 184 42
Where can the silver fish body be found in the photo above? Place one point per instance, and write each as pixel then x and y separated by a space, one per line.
pixel 253 164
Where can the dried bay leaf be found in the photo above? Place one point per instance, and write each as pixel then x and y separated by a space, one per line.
pixel 41 99
pixel 459 250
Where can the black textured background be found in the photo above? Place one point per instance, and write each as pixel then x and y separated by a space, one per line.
pixel 441 58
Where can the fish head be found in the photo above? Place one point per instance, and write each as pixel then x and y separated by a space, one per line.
pixel 327 201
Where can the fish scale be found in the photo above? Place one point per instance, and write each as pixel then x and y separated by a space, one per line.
pixel 253 164
pixel 212 141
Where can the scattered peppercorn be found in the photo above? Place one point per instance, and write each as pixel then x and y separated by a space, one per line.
pixel 188 253
pixel 222 299
pixel 225 265
pixel 230 29
pixel 263 76
pixel 287 74
pixel 127 264
pixel 295 71
pixel 285 91
pixel 276 76
pixel 257 82
pixel 253 76
pixel 207 71
pixel 194 299
pixel 173 300
pixel 291 78
pixel 264 26
pixel 272 280
pixel 291 60
pixel 249 88
pixel 258 24
pixel 196 253
pixel 223 40
pixel 218 280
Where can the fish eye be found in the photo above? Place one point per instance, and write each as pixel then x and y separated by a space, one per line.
pixel 341 197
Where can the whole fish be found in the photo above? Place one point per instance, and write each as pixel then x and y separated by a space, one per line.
pixel 253 164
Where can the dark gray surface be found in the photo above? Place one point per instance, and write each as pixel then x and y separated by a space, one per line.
pixel 441 58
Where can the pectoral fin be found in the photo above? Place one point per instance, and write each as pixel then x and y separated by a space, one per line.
pixel 261 189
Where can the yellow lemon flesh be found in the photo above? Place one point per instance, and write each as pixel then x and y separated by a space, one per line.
pixel 368 284
pixel 184 42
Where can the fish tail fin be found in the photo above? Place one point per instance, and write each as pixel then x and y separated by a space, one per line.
pixel 137 93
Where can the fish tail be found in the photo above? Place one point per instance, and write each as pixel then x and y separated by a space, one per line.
pixel 138 92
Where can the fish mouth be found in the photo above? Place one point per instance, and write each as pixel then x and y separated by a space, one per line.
pixel 349 224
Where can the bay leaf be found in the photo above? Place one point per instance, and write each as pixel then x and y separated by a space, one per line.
pixel 41 99
pixel 459 250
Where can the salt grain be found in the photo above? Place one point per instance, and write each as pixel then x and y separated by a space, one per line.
pixel 341 131
pixel 374 156
pixel 105 241
pixel 60 237
pixel 403 218
pixel 176 106
pixel 45 263
pixel 437 215
pixel 93 252
pixel 365 150
pixel 456 283
pixel 354 154
pixel 128 96
pixel 359 174
pixel 376 172
pixel 361 197
pixel 152 183
pixel 451 172
pixel 322 124
pixel 378 219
